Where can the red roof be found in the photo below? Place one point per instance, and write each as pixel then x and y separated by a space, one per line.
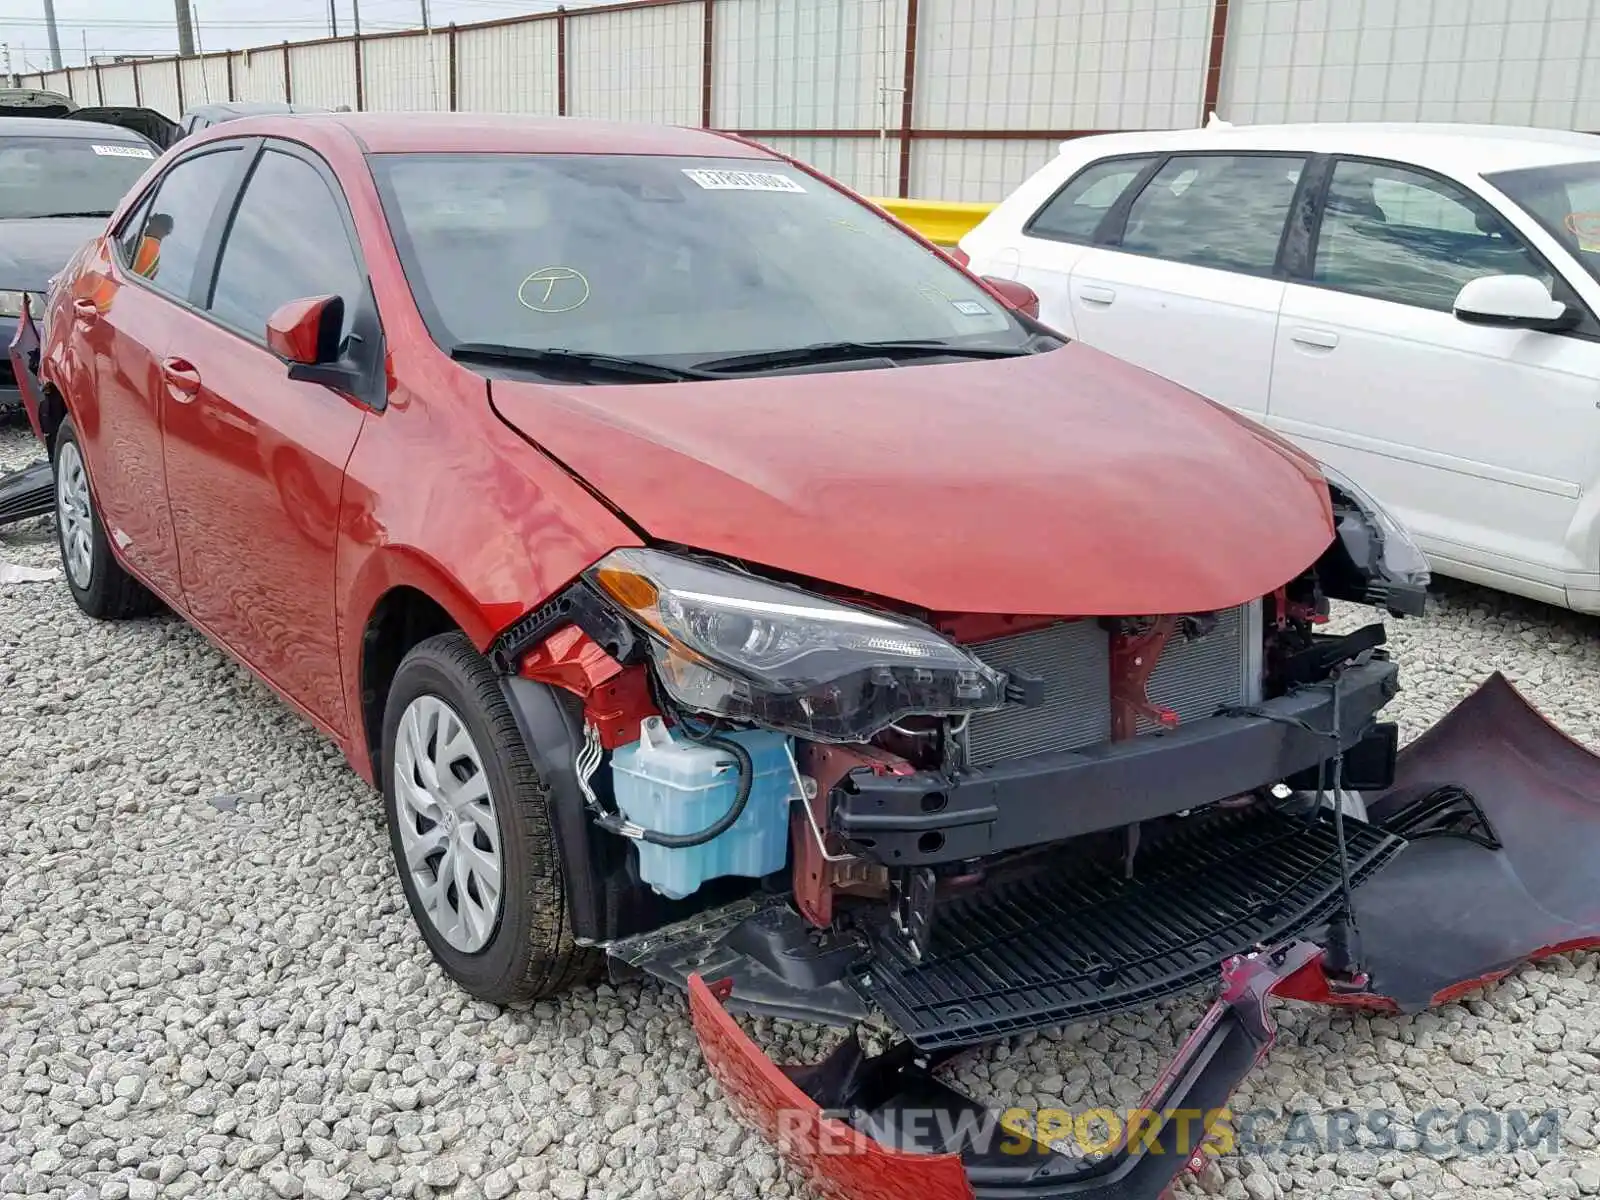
pixel 506 132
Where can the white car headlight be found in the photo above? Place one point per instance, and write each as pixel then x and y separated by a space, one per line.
pixel 737 646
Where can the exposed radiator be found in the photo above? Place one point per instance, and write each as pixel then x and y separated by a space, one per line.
pixel 1193 678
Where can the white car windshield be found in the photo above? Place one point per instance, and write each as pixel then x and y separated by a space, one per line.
pixel 1565 200
pixel 665 257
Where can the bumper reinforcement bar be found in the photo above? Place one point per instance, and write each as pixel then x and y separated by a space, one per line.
pixel 934 817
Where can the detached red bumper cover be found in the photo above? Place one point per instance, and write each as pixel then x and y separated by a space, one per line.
pixel 1500 815
pixel 885 1128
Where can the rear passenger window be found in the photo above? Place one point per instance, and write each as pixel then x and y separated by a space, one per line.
pixel 172 228
pixel 1404 235
pixel 287 242
pixel 1075 212
pixel 1215 210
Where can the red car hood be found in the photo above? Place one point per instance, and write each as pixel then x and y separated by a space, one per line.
pixel 1064 483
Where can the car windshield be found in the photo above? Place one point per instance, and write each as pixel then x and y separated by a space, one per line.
pixel 1565 200
pixel 67 176
pixel 651 257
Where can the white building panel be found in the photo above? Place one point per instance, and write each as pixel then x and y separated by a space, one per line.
pixel 640 64
pixel 258 74
pixel 158 84
pixel 1520 62
pixel 866 164
pixel 1061 64
pixel 808 64
pixel 407 73
pixel 323 73
pixel 507 68
pixel 116 85
pixel 981 170
pixel 205 80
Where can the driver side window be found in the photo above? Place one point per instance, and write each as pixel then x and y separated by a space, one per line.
pixel 287 242
pixel 1404 235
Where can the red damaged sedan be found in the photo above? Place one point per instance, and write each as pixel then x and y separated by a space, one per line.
pixel 721 584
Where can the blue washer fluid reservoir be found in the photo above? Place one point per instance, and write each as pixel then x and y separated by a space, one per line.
pixel 673 784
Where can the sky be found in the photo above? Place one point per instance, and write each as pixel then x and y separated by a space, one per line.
pixel 150 26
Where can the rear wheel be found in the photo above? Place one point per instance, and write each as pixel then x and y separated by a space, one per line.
pixel 470 829
pixel 96 579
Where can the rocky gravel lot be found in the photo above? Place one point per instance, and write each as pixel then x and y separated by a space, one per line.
pixel 209 984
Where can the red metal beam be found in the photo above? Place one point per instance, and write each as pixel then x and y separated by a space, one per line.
pixel 908 99
pixel 561 62
pixel 453 83
pixel 1219 43
pixel 707 42
pixel 361 75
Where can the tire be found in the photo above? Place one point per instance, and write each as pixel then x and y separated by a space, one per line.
pixel 98 583
pixel 519 946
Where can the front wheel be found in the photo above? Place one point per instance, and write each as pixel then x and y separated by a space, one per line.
pixel 470 829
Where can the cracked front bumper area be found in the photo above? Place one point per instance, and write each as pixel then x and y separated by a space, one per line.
pixel 885 1128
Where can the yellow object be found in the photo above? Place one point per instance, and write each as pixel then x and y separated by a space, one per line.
pixel 941 221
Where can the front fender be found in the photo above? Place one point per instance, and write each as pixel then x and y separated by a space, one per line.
pixel 457 506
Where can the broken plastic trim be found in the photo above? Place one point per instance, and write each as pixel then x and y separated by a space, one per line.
pixel 29 492
pixel 844 1161
pixel 576 605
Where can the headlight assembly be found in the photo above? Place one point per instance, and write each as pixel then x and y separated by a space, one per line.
pixel 1378 548
pixel 11 303
pixel 741 647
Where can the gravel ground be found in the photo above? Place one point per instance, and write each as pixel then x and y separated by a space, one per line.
pixel 210 986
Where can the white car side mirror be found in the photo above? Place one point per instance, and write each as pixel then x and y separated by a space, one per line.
pixel 1513 302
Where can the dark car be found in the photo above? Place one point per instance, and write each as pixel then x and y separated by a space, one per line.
pixel 146 122
pixel 59 181
pixel 204 116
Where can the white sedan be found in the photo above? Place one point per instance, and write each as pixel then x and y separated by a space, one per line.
pixel 1416 305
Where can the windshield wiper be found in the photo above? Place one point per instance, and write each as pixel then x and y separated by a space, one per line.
pixel 95 212
pixel 569 360
pixel 821 352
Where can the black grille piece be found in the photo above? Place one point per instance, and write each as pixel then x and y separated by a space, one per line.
pixel 1079 940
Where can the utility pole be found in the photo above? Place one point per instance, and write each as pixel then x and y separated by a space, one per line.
pixel 10 77
pixel 333 19
pixel 55 38
pixel 185 29
pixel 426 24
pixel 355 14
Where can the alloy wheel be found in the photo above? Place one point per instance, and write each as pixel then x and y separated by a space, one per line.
pixel 74 515
pixel 449 835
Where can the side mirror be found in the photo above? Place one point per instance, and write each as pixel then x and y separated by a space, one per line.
pixel 306 332
pixel 1513 302
pixel 1018 296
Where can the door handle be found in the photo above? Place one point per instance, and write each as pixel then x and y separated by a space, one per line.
pixel 183 381
pixel 1315 339
pixel 1093 294
pixel 86 309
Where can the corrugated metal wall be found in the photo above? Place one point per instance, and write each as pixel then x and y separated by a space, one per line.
pixel 980 97
pixel 654 52
pixel 1520 62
